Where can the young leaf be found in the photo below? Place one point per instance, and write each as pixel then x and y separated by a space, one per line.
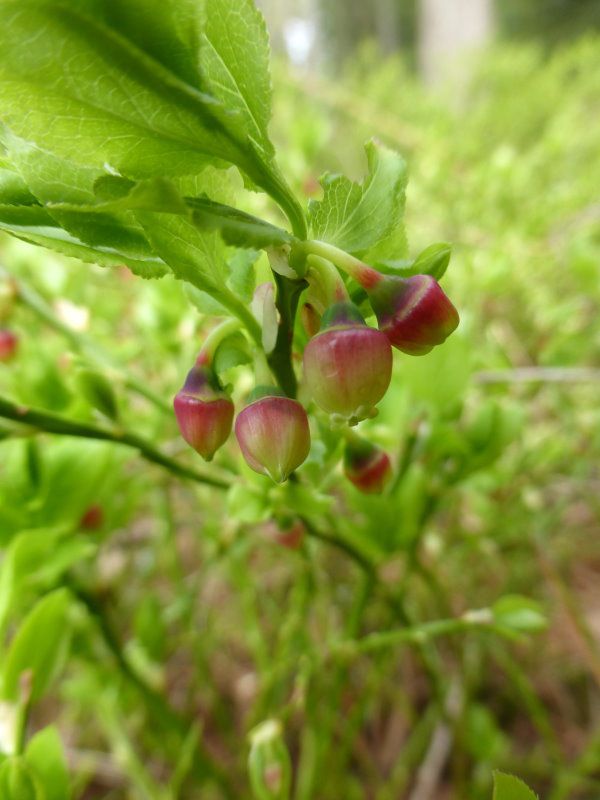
pixel 507 787
pixel 39 647
pixel 364 218
pixel 45 757
pixel 234 64
pixel 432 261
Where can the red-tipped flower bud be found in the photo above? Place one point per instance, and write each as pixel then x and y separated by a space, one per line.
pixel 347 366
pixel 204 412
pixel 9 342
pixel 414 313
pixel 273 435
pixel 367 466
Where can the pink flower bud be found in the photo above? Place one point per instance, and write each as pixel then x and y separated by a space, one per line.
pixel 92 518
pixel 347 366
pixel 204 412
pixel 414 313
pixel 9 343
pixel 367 466
pixel 273 435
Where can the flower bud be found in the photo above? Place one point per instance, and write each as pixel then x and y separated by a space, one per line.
pixel 273 435
pixel 204 412
pixel 347 366
pixel 414 313
pixel 269 762
pixel 92 518
pixel 9 343
pixel 367 466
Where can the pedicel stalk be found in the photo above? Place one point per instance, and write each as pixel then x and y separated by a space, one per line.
pixel 414 313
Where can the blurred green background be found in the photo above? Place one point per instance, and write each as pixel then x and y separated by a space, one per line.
pixel 500 125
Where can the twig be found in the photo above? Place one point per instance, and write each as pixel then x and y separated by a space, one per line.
pixel 54 423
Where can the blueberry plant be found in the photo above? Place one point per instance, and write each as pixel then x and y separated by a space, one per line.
pixel 135 132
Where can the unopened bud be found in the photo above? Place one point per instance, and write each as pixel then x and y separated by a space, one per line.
pixel 9 343
pixel 348 365
pixel 367 466
pixel 273 435
pixel 204 412
pixel 269 762
pixel 414 313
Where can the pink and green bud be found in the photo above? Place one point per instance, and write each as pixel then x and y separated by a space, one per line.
pixel 414 313
pixel 9 342
pixel 348 365
pixel 204 412
pixel 367 466
pixel 273 435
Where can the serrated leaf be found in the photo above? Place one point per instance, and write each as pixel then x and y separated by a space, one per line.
pixel 33 224
pixel 363 217
pixel 104 100
pixel 234 65
pixel 507 787
pixel 39 647
pixel 45 757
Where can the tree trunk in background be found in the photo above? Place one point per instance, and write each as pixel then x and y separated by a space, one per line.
pixel 448 31
pixel 387 25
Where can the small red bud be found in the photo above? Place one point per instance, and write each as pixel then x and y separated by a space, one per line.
pixel 204 412
pixel 9 343
pixel 414 313
pixel 348 366
pixel 367 466
pixel 273 435
pixel 92 518
pixel 290 536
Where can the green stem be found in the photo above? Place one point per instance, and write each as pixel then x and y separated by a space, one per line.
pixel 54 423
pixel 362 273
pixel 325 282
pixel 280 359
pixel 214 339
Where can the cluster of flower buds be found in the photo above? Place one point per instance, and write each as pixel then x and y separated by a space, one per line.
pixel 347 371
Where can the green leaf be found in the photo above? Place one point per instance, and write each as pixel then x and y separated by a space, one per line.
pixel 519 614
pixel 507 787
pixel 45 757
pixel 232 352
pixel 237 227
pixel 104 101
pixel 234 64
pixel 39 647
pixel 98 391
pixel 432 261
pixel 14 190
pixel 17 781
pixel 66 190
pixel 365 218
pixel 37 558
